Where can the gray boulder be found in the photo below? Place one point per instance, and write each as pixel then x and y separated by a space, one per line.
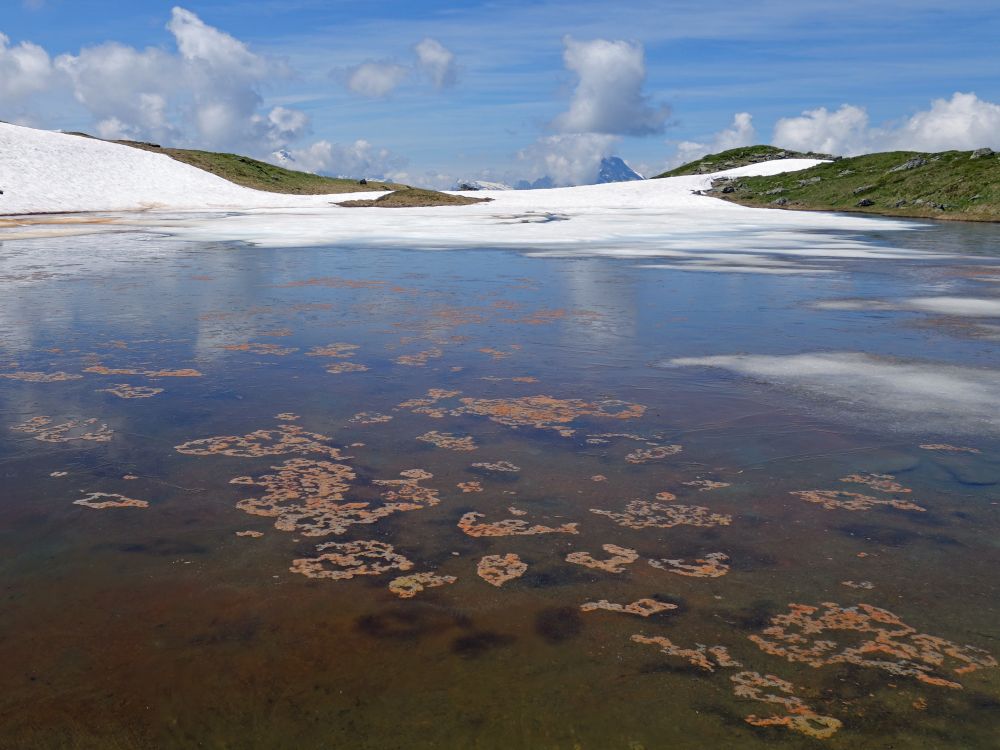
pixel 981 153
pixel 911 164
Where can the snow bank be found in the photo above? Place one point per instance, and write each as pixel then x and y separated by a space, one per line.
pixel 46 172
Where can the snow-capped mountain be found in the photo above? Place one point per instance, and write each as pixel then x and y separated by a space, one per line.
pixel 614 169
pixel 282 157
pixel 481 185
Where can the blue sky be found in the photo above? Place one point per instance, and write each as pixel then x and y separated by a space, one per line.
pixel 509 84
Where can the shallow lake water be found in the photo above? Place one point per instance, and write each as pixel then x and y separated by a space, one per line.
pixel 793 478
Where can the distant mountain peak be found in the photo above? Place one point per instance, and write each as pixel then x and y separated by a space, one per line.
pixel 615 169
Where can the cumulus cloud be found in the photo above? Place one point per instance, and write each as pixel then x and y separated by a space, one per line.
pixel 435 61
pixel 358 159
pixel 741 132
pixel 912 396
pixel 962 122
pixel 376 79
pixel 608 97
pixel 24 69
pixel 568 159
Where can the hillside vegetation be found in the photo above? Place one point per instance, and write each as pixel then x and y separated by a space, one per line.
pixel 738 157
pixel 414 198
pixel 259 175
pixel 956 185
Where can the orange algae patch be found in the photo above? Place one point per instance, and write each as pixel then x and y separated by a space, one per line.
pixel 470 486
pixel 369 417
pixel 420 358
pixel 509 527
pixel 838 499
pixel 338 368
pixel 43 429
pixel 800 718
pixel 645 455
pixel 250 534
pixel 102 500
pixel 40 377
pixel 449 441
pixel 945 448
pixel 712 565
pixel 287 416
pixel 426 405
pixel 881 641
pixel 641 607
pixel 643 514
pixel 868 585
pixel 666 497
pixel 102 370
pixel 706 657
pixel 124 390
pixel 343 560
pixel 287 438
pixel 879 482
pixel 407 587
pixel 546 412
pixel 705 485
pixel 339 350
pixel 255 348
pixel 598 478
pixel 495 353
pixel 504 467
pixel 619 556
pixel 183 373
pixel 498 569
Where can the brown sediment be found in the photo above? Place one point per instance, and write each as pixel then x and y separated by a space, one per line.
pixel 287 416
pixel 706 657
pixel 470 486
pixel 498 569
pixel 641 607
pixel 806 634
pixel 251 534
pixel 43 429
pixel 369 417
pixel 945 448
pixel 509 527
pixel 838 499
pixel 124 390
pixel 256 348
pixel 799 717
pixel 868 585
pixel 406 587
pixel 643 514
pixel 705 485
pixel 339 350
pixel 504 467
pixel 338 368
pixel 619 556
pixel 712 565
pixel 419 359
pixel 285 439
pixel 40 377
pixel 461 443
pixel 545 412
pixel 879 482
pixel 349 559
pixel 102 500
pixel 645 455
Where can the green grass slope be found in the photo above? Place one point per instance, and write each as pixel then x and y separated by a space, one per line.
pixel 258 175
pixel 956 185
pixel 738 157
pixel 414 198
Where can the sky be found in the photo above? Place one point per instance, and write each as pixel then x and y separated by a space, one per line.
pixel 436 92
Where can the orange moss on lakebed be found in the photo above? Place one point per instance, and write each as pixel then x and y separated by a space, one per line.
pixel 45 430
pixel 104 500
pixel 644 514
pixel 619 556
pixel 498 569
pixel 713 565
pixel 640 607
pixel 509 527
pixel 40 377
pixel 798 717
pixel 285 439
pixel 344 560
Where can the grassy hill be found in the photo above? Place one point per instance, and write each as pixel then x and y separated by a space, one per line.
pixel 738 157
pixel 258 175
pixel 414 198
pixel 956 185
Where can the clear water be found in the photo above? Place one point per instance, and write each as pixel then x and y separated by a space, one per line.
pixel 159 627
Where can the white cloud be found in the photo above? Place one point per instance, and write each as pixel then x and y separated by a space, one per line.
pixel 608 97
pixel 376 79
pixel 919 397
pixel 24 69
pixel 569 159
pixel 436 61
pixel 358 159
pixel 963 122
pixel 740 133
